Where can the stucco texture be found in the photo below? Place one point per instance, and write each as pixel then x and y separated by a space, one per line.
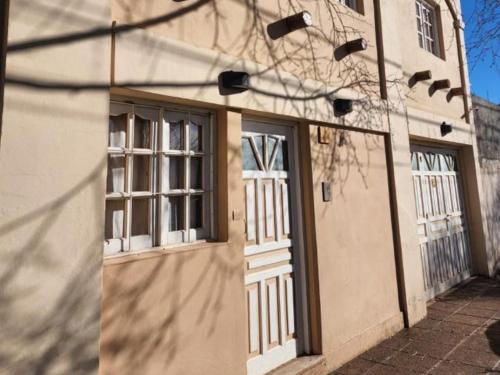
pixel 356 260
pixel 52 187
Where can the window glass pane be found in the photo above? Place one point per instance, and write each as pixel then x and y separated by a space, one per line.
pixel 414 161
pixel 249 161
pixel 259 145
pixel 271 144
pixel 196 173
pixel 116 174
pixel 141 173
pixel 118 131
pixel 281 162
pixel 195 137
pixel 173 172
pixel 115 216
pixel 142 132
pixel 176 213
pixel 140 216
pixel 176 135
pixel 421 40
pixel 423 162
pixel 196 211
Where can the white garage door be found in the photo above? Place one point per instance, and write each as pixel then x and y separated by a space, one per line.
pixel 441 219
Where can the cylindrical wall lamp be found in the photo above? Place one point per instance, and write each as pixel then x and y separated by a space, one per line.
pixel 342 107
pixel 233 82
pixel 286 25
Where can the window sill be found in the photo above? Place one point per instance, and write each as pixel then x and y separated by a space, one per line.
pixel 133 256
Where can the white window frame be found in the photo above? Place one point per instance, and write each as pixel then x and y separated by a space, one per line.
pixel 159 191
pixel 427 27
pixel 353 4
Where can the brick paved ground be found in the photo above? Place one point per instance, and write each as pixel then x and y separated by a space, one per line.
pixel 460 336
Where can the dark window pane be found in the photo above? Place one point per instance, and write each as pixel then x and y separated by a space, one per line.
pixel 195 137
pixel 175 165
pixel 249 161
pixel 141 173
pixel 176 135
pixel 117 131
pixel 176 213
pixel 196 211
pixel 140 217
pixel 142 132
pixel 281 162
pixel 414 161
pixel 196 173
pixel 115 216
pixel 116 174
pixel 259 145
pixel 271 144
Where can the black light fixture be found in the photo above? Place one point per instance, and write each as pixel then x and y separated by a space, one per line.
pixel 446 129
pixel 342 107
pixel 231 82
pixel 349 47
pixel 286 25
pixel 424 75
pixel 441 84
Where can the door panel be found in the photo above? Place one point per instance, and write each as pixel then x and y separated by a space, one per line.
pixel 441 219
pixel 269 249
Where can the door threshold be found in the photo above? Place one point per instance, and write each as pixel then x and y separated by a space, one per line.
pixel 306 365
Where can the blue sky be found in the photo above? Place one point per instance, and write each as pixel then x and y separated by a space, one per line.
pixel 485 80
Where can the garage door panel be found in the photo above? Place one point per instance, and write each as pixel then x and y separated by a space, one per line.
pixel 441 219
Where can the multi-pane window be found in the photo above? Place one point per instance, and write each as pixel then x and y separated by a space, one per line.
pixel 159 178
pixel 350 3
pixel 427 27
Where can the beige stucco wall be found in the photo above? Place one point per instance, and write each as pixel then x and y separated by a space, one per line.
pixel 415 59
pixel 175 313
pixel 52 186
pixel 237 29
pixel 356 265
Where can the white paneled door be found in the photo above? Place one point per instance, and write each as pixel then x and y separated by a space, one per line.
pixel 270 258
pixel 441 219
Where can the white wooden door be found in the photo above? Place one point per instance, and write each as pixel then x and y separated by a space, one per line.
pixel 269 250
pixel 441 219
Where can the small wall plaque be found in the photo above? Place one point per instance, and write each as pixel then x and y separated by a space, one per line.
pixel 324 135
pixel 327 191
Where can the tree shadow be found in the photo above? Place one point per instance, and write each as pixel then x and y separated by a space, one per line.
pixel 493 335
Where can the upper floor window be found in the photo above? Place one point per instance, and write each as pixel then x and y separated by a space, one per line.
pixel 350 3
pixel 159 177
pixel 427 27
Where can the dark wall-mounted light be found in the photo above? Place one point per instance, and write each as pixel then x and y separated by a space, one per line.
pixel 233 82
pixel 446 129
pixel 424 75
pixel 352 46
pixel 342 107
pixel 286 25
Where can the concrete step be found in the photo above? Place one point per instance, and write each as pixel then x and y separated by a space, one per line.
pixel 307 365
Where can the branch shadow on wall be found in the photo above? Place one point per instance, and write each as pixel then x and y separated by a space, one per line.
pixel 146 302
pixel 49 307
